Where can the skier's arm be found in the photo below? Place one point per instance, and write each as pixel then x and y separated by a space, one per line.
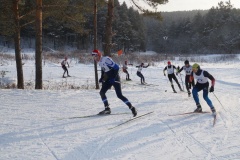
pixel 102 79
pixel 164 71
pixel 208 75
pixel 62 63
pixel 175 68
pixel 68 64
pixel 180 70
pixel 114 68
pixel 145 66
pixel 191 77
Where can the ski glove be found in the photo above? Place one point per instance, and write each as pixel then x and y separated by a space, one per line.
pixel 111 81
pixel 211 89
pixel 100 80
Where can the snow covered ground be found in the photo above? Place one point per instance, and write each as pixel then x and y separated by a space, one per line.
pixel 36 124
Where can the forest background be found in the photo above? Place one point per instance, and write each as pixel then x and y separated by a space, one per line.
pixel 182 32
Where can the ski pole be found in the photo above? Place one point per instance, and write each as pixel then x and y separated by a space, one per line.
pixel 218 100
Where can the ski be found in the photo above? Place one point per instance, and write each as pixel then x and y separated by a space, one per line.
pixel 188 113
pixel 130 120
pixel 147 84
pixel 95 115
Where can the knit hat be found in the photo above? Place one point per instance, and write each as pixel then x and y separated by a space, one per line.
pixel 195 66
pixel 96 52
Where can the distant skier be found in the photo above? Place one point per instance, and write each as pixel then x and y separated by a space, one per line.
pixel 202 77
pixel 64 63
pixel 188 69
pixel 139 74
pixel 125 70
pixel 110 77
pixel 171 75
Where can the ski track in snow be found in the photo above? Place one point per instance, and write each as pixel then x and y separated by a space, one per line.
pixel 35 124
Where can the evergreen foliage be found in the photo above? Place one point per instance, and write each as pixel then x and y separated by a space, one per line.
pixel 212 31
pixel 70 22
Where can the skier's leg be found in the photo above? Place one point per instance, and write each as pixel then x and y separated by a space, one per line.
pixel 195 91
pixel 206 98
pixel 170 79
pixel 139 75
pixel 118 90
pixel 127 75
pixel 65 69
pixel 105 87
pixel 188 85
pixel 176 80
pixel 143 78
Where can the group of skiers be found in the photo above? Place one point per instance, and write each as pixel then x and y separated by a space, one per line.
pixel 110 77
pixel 201 77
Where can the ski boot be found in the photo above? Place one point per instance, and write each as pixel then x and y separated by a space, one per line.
pixel 213 111
pixel 134 111
pixel 68 75
pixel 198 109
pixel 174 91
pixel 107 110
pixel 181 89
pixel 189 94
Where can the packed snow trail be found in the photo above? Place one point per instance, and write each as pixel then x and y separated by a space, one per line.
pixel 30 127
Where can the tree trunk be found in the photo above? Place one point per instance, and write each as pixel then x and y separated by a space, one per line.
pixel 95 42
pixel 38 52
pixel 20 82
pixel 108 33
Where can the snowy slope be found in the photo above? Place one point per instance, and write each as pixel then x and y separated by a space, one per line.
pixel 35 124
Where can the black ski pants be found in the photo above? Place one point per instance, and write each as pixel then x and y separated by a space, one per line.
pixel 117 86
pixel 172 76
pixel 139 74
pixel 188 84
pixel 127 74
pixel 65 69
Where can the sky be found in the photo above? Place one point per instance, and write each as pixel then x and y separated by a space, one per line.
pixel 181 5
pixel 40 124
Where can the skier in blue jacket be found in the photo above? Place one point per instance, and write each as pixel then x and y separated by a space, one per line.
pixel 110 77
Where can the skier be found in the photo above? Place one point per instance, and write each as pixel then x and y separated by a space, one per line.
pixel 188 69
pixel 139 74
pixel 170 70
pixel 110 77
pixel 202 77
pixel 125 70
pixel 64 63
